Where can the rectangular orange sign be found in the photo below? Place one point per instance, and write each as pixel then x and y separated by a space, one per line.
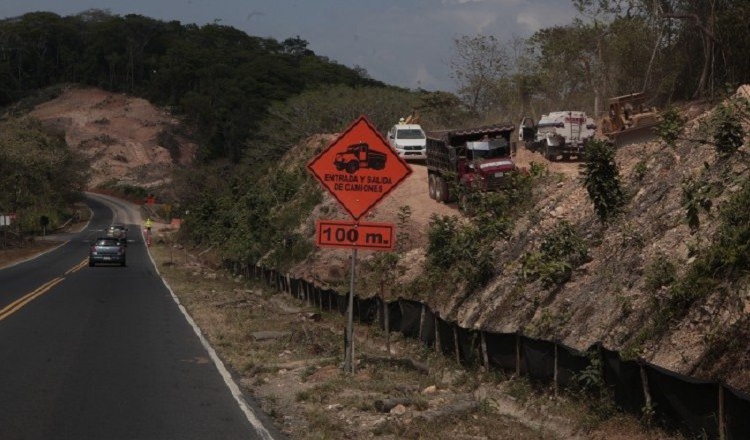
pixel 353 235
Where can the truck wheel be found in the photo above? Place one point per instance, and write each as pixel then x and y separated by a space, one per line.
pixel 431 185
pixel 442 186
pixel 550 154
pixel 352 167
pixel 439 188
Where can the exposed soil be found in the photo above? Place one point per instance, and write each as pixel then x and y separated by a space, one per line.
pixel 605 300
pixel 288 355
pixel 127 140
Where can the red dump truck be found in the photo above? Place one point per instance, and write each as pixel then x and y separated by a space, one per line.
pixel 478 158
pixel 359 156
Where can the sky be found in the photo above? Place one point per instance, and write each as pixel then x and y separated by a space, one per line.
pixel 406 43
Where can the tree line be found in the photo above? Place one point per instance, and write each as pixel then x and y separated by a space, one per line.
pixel 249 100
pixel 674 50
pixel 221 79
pixel 40 178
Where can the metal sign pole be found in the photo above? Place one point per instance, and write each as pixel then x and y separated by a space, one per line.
pixel 349 355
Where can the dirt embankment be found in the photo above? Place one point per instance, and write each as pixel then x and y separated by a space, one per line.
pixel 126 139
pixel 607 299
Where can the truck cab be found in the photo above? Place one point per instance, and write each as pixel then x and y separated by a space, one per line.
pixel 484 164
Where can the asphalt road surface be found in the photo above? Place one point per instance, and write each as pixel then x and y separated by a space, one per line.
pixel 106 353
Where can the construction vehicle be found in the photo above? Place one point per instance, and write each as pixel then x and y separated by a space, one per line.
pixel 629 119
pixel 476 159
pixel 558 134
pixel 359 156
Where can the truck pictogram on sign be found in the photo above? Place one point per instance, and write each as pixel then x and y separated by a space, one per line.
pixel 359 168
pixel 360 156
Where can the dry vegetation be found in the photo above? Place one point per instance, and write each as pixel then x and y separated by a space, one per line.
pixel 288 356
pixel 24 251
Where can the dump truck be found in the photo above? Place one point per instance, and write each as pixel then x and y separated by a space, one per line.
pixel 561 134
pixel 629 119
pixel 359 156
pixel 477 158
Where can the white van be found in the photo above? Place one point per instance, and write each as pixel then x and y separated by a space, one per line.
pixel 409 141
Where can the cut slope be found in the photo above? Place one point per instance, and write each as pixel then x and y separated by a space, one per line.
pixel 126 139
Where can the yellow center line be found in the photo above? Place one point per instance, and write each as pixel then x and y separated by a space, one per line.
pixel 20 302
pixel 78 266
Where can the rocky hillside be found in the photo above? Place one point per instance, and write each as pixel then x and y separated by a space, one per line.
pixel 611 298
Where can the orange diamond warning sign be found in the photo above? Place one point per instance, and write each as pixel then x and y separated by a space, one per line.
pixel 359 168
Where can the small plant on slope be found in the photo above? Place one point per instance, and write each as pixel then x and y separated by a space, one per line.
pixel 728 132
pixel 602 179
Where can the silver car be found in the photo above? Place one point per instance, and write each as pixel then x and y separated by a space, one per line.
pixel 108 250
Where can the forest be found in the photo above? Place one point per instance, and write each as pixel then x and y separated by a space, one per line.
pixel 247 100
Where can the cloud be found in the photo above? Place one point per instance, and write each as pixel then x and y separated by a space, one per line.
pixel 474 22
pixel 460 2
pixel 424 79
pixel 529 20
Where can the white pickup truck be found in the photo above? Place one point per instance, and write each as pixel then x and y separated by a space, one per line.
pixel 409 141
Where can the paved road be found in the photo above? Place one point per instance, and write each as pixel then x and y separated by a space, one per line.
pixel 106 353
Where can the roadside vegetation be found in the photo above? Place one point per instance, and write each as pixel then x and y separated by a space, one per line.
pixel 287 355
pixel 40 178
pixel 250 101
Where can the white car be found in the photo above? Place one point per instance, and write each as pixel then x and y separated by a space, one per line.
pixel 409 141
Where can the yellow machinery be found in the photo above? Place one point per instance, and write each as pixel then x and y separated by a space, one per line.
pixel 629 119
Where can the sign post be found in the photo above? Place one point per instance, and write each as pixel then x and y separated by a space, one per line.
pixel 358 169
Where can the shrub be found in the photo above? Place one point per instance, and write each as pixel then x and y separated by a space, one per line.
pixel 661 272
pixel 695 196
pixel 559 254
pixel 728 133
pixel 602 180
pixel 463 251
pixel 671 126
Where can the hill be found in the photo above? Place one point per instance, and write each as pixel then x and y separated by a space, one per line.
pixel 126 140
pixel 633 293
pixel 611 298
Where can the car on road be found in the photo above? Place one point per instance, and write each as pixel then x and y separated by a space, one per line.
pixel 119 232
pixel 109 250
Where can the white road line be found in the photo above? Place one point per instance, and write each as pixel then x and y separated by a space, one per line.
pixel 233 387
